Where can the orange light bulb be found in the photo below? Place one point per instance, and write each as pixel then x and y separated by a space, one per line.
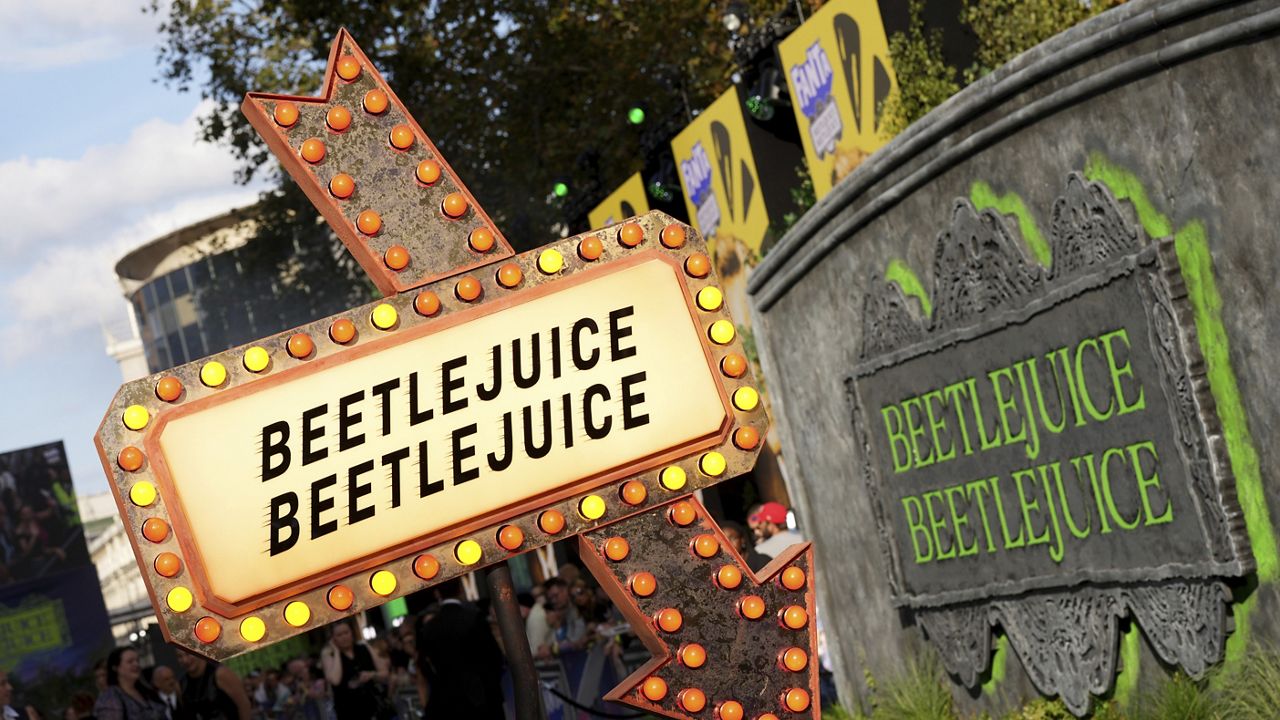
pixel 682 513
pixel 794 659
pixel 396 257
pixel 510 537
pixel 746 438
pixel 369 222
pixel 590 248
pixel 697 265
pixel 168 564
pixel 313 150
pixel 342 186
pixel 792 578
pixel 794 617
pixel 631 235
pixel 130 459
pixel 426 566
pixel 426 303
pixel 300 345
pixel 669 619
pixel 705 546
pixel 510 275
pixel 634 492
pixel 155 530
pixel 468 289
pixel 751 607
pixel 401 137
pixel 340 597
pixel 654 689
pixel 428 172
pixel 285 114
pixel 733 365
pixel 693 655
pixel 691 700
pixel 480 240
pixel 672 236
pixel 729 577
pixel 796 700
pixel 338 118
pixel 616 549
pixel 730 710
pixel 169 388
pixel 348 68
pixel 375 102
pixel 551 522
pixel 208 630
pixel 342 331
pixel 643 584
pixel 454 205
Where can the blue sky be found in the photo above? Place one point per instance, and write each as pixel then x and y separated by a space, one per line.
pixel 96 158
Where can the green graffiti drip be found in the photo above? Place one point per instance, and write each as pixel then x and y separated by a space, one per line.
pixel 983 197
pixel 1191 243
pixel 905 277
pixel 998 661
pixel 1130 658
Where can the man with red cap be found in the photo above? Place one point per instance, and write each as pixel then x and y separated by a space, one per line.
pixel 769 522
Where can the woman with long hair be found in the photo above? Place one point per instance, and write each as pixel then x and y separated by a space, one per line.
pixel 127 697
pixel 356 674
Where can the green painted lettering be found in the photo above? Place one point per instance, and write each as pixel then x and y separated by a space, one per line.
pixel 1029 507
pixel 935 524
pixel 973 489
pixel 1146 481
pixel 960 520
pixel 917 529
pixel 936 423
pixel 893 419
pixel 1106 490
pixel 1118 371
pixel 1085 398
pixel 1009 543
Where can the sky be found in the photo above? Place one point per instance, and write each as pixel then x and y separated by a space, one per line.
pixel 97 157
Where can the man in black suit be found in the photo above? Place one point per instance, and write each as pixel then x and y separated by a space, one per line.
pixel 460 659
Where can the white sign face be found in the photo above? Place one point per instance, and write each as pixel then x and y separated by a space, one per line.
pixel 337 462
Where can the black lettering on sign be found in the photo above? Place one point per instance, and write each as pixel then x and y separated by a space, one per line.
pixel 580 361
pixel 393 459
pixel 318 505
pixel 416 416
pixel 630 400
pixel 595 432
pixel 495 385
pixel 282 519
pixel 425 486
pixel 275 448
pixel 450 384
pixel 463 452
pixel 383 391
pixel 357 490
pixel 517 363
pixel 618 332
pixel 310 434
pixel 346 419
pixel 540 450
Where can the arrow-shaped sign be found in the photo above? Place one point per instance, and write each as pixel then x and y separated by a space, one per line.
pixel 727 643
pixel 507 402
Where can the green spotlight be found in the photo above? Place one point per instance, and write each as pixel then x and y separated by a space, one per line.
pixel 560 189
pixel 635 115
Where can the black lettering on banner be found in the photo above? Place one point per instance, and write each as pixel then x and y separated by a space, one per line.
pixel 492 392
pixel 283 520
pixel 346 419
pixel 566 409
pixel 356 490
pixel 579 360
pixel 278 448
pixel 593 431
pixel 555 352
pixel 312 433
pixel 383 391
pixel 449 384
pixel 618 332
pixel 320 529
pixel 393 459
pixel 416 417
pixel 425 486
pixel 461 452
pixel 630 400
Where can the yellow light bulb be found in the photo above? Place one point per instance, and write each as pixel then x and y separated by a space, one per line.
pixel 672 478
pixel 383 582
pixel 468 552
pixel 297 613
pixel 252 628
pixel 213 373
pixel 592 507
pixel 256 359
pixel 713 464
pixel 710 298
pixel 179 599
pixel 384 316
pixel 143 493
pixel 722 332
pixel 136 417
pixel 550 261
pixel 746 398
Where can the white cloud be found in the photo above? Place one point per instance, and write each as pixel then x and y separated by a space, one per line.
pixel 57 33
pixel 67 223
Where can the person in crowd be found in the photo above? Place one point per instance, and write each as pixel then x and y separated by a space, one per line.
pixel 272 696
pixel 572 629
pixel 81 707
pixel 570 573
pixel 307 692
pixel 460 659
pixel 742 542
pixel 6 697
pixel 211 691
pixel 769 523
pixel 100 676
pixel 126 696
pixel 354 673
pixel 170 692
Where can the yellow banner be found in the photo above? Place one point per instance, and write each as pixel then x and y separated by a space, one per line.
pixel 839 71
pixel 627 201
pixel 718 174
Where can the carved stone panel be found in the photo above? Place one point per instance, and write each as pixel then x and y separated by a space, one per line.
pixel 1043 453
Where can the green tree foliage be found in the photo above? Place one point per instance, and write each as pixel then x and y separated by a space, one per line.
pixel 1007 28
pixel 514 92
pixel 925 79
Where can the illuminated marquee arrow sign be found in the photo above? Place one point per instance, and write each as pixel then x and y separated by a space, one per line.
pixel 491 404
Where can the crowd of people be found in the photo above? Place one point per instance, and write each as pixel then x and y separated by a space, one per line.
pixel 449 661
pixel 38 531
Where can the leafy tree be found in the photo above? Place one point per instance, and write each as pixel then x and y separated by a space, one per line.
pixel 514 92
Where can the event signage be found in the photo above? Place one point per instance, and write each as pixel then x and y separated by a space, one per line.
pixel 718 173
pixel 1045 441
pixel 493 403
pixel 628 201
pixel 840 74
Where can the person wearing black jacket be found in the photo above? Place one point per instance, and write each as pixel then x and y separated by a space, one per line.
pixel 460 659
